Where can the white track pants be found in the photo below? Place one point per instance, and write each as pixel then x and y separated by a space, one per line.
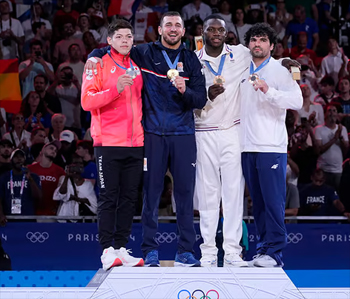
pixel 219 177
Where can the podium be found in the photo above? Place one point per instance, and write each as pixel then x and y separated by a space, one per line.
pixel 193 283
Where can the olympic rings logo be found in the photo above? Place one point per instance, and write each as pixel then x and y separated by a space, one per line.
pixel 204 295
pixel 165 237
pixel 294 238
pixel 37 237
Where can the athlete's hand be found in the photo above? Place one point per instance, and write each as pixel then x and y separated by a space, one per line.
pixel 261 84
pixel 124 80
pixel 287 63
pixel 91 65
pixel 180 84
pixel 215 90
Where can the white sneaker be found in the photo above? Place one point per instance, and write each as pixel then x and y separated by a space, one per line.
pixel 265 261
pixel 127 260
pixel 109 259
pixel 209 260
pixel 234 260
pixel 255 258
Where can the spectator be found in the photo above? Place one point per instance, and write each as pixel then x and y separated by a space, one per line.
pixel 18 135
pixel 318 199
pixel 15 199
pixel 3 122
pixel 333 142
pixel 67 88
pixel 325 19
pixel 64 156
pixel 38 140
pixel 34 112
pixel 65 13
pixel 161 7
pixel 49 174
pixel 240 27
pixel 256 14
pixel 58 122
pixel 195 8
pixel 75 62
pixel 38 136
pixel 344 190
pixel 90 43
pixel 301 49
pixel 60 53
pixel 278 51
pixel 280 18
pixel 309 74
pixel 345 67
pixel 225 13
pixel 85 26
pixel 51 102
pixel 332 63
pixel 344 101
pixel 305 153
pixel 34 66
pixel 311 112
pixel 302 23
pixel 99 23
pixel 76 194
pixel 327 93
pixel 41 34
pixel 292 200
pixel 11 35
pixel 231 39
pixel 6 149
pixel 36 14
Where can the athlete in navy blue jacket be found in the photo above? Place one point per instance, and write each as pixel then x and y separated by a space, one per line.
pixel 168 103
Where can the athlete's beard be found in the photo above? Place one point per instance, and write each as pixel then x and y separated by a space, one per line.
pixel 170 42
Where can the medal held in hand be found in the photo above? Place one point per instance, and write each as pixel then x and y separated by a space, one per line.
pixel 172 73
pixel 218 78
pixel 131 72
pixel 253 78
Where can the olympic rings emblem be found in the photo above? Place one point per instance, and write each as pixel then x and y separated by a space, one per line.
pixel 294 238
pixel 165 237
pixel 204 295
pixel 37 237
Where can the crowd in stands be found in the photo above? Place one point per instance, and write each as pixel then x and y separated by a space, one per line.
pixel 46 152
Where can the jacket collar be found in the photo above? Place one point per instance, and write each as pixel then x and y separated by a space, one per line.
pixel 159 45
pixel 202 54
pixel 119 57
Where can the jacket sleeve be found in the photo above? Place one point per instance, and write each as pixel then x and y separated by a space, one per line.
pixel 289 96
pixel 195 95
pixel 92 95
pixel 99 52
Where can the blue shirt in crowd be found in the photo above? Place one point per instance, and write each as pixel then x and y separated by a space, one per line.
pixel 309 26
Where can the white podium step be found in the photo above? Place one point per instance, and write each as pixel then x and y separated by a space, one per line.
pixel 193 283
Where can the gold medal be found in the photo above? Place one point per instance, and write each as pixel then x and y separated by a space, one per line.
pixel 219 80
pixel 172 73
pixel 253 78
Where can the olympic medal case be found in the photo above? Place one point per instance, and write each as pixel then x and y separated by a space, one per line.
pixel 193 283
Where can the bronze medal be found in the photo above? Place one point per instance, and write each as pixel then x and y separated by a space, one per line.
pixel 219 80
pixel 253 78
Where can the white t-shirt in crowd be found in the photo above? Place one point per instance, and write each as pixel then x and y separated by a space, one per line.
pixel 11 51
pixel 27 28
pixel 28 82
pixel 331 65
pixel 317 108
pixel 78 69
pixel 71 111
pixel 24 136
pixel 189 10
pixel 241 31
pixel 332 159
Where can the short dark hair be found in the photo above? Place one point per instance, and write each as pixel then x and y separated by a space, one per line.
pixel 86 144
pixel 213 17
pixel 36 130
pixel 42 76
pixel 261 29
pixel 119 24
pixel 170 14
pixel 67 67
pixel 36 42
pixel 327 80
pixel 71 46
pixel 37 25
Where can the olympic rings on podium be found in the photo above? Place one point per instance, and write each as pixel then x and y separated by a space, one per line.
pixel 204 296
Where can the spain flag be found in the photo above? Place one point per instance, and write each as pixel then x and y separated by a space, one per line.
pixel 10 92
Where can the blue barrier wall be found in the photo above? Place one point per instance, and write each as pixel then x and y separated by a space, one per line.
pixel 74 246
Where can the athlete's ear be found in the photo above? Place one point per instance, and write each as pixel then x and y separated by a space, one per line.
pixel 159 30
pixel 109 40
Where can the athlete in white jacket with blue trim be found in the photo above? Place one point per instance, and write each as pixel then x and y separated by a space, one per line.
pixel 267 90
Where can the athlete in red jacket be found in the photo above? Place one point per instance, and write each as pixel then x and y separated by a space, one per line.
pixel 114 98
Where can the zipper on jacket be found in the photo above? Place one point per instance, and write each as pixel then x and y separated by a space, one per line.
pixel 132 120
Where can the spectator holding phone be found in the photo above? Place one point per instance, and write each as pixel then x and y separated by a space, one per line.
pixel 34 66
pixel 312 112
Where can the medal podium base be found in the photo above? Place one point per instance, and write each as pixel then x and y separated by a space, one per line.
pixel 193 283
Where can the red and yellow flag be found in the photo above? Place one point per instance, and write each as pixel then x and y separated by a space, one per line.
pixel 10 92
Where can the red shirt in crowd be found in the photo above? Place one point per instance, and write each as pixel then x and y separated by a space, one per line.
pixel 49 181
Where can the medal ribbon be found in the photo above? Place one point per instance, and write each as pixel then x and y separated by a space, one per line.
pixel 11 186
pixel 167 59
pixel 265 62
pixel 123 68
pixel 221 66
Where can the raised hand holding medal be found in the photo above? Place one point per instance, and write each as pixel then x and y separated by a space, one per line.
pixel 254 77
pixel 219 79
pixel 173 73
